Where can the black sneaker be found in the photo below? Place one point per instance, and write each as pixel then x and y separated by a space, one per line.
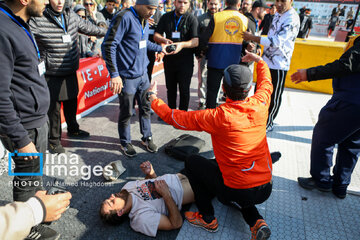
pixel 78 134
pixel 56 149
pixel 309 183
pixel 149 144
pixel 275 156
pixel 128 150
pixel 339 192
pixel 40 232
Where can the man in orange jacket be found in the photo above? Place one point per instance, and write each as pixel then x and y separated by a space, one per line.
pixel 242 172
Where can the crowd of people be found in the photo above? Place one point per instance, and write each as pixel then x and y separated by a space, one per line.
pixel 41 44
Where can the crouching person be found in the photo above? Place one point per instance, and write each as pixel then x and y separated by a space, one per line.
pixel 151 204
pixel 242 173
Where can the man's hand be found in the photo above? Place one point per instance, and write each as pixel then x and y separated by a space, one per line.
pixel 247 36
pixel 93 38
pixel 250 57
pixel 299 76
pixel 151 21
pixel 30 148
pixel 250 47
pixel 148 170
pixel 179 47
pixel 55 205
pixel 162 188
pixel 116 85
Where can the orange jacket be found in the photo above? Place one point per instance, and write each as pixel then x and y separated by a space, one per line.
pixel 238 133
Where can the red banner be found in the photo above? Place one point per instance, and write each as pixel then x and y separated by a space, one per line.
pixel 94 83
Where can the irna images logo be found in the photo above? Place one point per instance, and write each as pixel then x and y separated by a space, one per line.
pixel 16 154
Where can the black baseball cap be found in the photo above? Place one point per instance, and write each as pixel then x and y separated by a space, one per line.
pixel 238 76
pixel 260 3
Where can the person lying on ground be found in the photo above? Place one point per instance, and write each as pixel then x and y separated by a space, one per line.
pixel 152 204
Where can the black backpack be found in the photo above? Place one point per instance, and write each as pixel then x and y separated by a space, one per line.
pixel 184 146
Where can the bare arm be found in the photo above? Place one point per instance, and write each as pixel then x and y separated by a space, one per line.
pixel 174 219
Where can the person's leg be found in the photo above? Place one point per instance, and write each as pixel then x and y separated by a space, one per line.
pixel 70 109
pixel 278 80
pixel 184 80
pixel 150 67
pixel 327 133
pixel 205 180
pixel 54 123
pixel 25 187
pixel 171 85
pixel 144 107
pixel 202 78
pixel 213 85
pixel 346 158
pixel 126 98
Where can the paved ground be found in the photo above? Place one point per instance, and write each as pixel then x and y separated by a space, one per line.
pixel 291 212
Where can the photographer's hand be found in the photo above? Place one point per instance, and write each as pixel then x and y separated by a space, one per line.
pixel 55 205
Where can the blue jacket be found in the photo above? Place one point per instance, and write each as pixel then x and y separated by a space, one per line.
pixel 120 48
pixel 24 95
pixel 346 74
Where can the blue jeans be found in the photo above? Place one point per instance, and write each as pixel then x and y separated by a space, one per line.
pixel 134 88
pixel 339 123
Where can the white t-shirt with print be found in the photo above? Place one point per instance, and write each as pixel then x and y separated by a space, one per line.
pixel 280 41
pixel 148 205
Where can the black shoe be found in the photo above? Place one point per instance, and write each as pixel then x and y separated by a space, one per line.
pixel 339 193
pixel 56 149
pixel 309 183
pixel 128 150
pixel 40 232
pixel 275 156
pixel 149 144
pixel 78 134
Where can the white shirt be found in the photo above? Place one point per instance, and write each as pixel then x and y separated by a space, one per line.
pixel 279 44
pixel 148 205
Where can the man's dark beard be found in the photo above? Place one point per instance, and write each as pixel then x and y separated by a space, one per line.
pixel 32 11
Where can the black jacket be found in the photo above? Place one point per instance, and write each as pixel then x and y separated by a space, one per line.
pixel 61 59
pixel 345 73
pixel 24 95
pixel 266 23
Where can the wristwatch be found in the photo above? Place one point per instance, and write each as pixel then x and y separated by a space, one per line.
pixel 148 94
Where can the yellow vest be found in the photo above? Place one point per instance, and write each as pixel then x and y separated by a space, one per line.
pixel 225 43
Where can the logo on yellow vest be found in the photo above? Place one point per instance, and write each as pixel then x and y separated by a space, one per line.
pixel 232 26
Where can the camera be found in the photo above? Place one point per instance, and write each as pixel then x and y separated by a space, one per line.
pixel 56 190
pixel 170 48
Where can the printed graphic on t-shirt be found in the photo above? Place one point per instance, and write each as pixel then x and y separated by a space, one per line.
pixel 147 191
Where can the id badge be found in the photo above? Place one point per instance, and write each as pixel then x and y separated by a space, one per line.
pixel 41 68
pixel 66 38
pixel 142 44
pixel 175 35
pixel 151 31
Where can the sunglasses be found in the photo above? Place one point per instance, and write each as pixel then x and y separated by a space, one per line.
pixel 88 4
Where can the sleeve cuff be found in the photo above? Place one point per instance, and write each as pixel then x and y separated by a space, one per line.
pixel 23 142
pixel 265 41
pixel 38 209
pixel 114 75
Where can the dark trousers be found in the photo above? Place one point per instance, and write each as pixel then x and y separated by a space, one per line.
pixel 151 57
pixel 213 84
pixel 178 75
pixel 278 81
pixel 134 88
pixel 207 182
pixel 25 187
pixel 70 108
pixel 339 123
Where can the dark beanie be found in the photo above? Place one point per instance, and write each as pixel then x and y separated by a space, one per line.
pixel 148 2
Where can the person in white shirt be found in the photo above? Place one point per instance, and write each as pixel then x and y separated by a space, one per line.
pixel 152 204
pixel 278 50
